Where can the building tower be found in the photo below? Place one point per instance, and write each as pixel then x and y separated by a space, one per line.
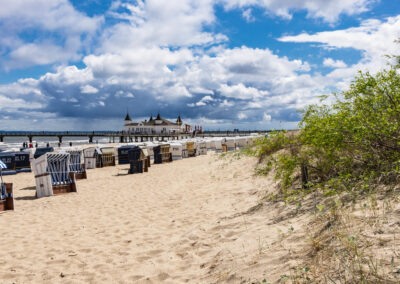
pixel 127 119
pixel 179 120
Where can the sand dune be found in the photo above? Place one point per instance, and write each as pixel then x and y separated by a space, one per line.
pixel 180 222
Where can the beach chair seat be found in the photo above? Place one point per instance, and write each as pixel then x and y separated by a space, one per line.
pixel 75 164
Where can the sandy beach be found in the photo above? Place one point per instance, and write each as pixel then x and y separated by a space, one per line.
pixel 195 220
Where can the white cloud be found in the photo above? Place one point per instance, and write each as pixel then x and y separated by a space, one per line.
pixel 32 54
pixel 267 117
pixel 207 99
pixel 13 104
pixel 150 23
pixel 373 38
pixel 241 116
pixel 240 91
pixel 226 103
pixel 87 89
pixel 328 10
pixel 66 30
pixel 202 102
pixel 329 62
pixel 246 14
pixel 68 75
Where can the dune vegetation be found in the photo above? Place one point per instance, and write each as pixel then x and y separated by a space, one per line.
pixel 343 164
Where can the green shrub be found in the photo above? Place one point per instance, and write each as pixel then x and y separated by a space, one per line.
pixel 347 144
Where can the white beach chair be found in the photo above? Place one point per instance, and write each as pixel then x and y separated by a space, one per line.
pixel 52 174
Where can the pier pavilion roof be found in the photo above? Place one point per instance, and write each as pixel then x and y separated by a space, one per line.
pixel 154 122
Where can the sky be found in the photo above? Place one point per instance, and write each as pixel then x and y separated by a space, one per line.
pixel 221 64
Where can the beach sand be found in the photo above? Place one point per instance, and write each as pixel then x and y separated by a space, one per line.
pixel 196 220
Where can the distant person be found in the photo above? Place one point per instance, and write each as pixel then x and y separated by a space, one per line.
pixel 59 144
pixel 70 144
pixel 36 145
pixel 48 145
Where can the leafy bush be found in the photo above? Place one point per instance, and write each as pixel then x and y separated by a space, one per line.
pixel 349 144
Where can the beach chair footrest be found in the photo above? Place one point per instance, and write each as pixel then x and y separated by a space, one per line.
pixel 80 175
pixel 8 202
pixel 65 188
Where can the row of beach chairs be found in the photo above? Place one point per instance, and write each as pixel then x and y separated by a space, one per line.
pixel 56 170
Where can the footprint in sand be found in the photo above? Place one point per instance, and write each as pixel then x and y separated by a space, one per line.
pixel 142 258
pixel 135 277
pixel 230 234
pixel 155 252
pixel 163 276
pixel 203 252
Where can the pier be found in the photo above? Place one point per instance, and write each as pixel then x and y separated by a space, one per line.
pixel 120 136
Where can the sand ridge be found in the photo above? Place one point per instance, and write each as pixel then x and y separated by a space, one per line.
pixel 180 222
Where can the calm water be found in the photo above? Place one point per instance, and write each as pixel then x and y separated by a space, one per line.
pixel 15 143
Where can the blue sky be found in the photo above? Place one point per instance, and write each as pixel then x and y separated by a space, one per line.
pixel 249 64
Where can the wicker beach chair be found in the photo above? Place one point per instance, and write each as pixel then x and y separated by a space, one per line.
pixel 137 161
pixel 108 156
pixel 123 157
pixel 22 162
pixel 201 147
pixel 9 160
pixel 177 151
pixel 6 191
pixel 92 157
pixel 52 174
pixel 191 149
pixel 146 155
pixel 162 154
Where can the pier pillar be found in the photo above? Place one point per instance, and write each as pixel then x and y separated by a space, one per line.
pixel 60 138
pixel 1 138
pixel 141 138
pixel 90 139
pixel 121 139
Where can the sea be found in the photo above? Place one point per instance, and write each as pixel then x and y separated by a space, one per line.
pixel 16 143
